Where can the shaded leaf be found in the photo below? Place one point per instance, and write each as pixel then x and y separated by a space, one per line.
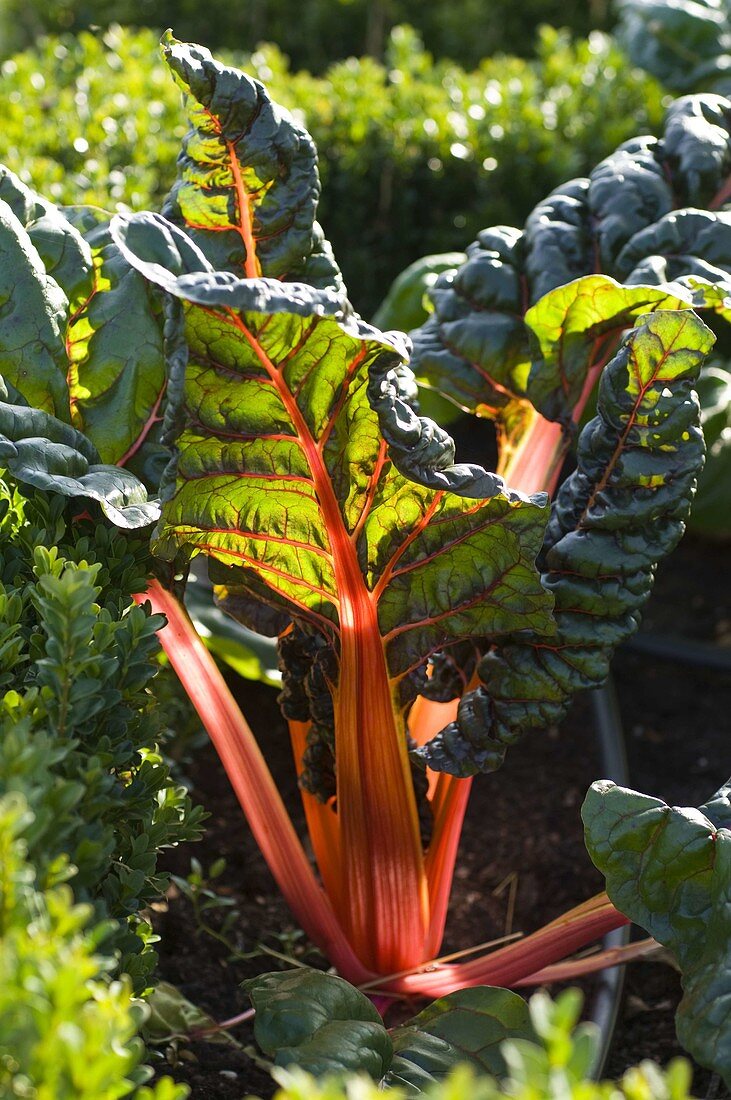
pixel 40 450
pixel 32 321
pixel 468 1026
pixel 711 514
pixel 669 869
pixel 319 1022
pixel 65 254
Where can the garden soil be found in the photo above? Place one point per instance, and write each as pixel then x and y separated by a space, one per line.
pixel 522 860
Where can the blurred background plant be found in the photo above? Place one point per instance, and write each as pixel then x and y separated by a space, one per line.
pixel 416 155
pixel 317 32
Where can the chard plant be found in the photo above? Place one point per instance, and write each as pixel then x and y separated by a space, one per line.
pixel 428 612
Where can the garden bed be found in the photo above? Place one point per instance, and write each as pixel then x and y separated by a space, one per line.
pixel 676 724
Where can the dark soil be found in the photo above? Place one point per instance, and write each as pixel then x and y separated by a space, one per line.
pixel 522 859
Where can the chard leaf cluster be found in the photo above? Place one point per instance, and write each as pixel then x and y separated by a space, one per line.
pixel 328 1043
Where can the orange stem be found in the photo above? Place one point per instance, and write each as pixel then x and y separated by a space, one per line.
pixel 322 824
pixel 577 968
pixel 251 780
pixel 506 967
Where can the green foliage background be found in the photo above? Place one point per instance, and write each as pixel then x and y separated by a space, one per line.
pixel 415 156
pixel 316 32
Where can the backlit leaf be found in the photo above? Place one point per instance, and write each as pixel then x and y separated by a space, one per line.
pixel 247 185
pixel 619 513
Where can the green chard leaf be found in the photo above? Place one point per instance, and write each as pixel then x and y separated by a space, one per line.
pixel 32 321
pixel 513 324
pixel 468 1026
pixel 301 466
pixel 684 44
pixel 85 341
pixel 711 515
pixel 324 1025
pixel 619 514
pixel 669 869
pixel 116 368
pixel 248 185
pixel 62 248
pixel 318 1022
pixel 40 450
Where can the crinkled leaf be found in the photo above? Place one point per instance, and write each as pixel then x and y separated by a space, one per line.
pixel 300 464
pixel 32 321
pixel 620 222
pixel 566 326
pixel 474 348
pixel 247 184
pixel 711 514
pixel 684 242
pixel 696 145
pixel 468 1026
pixel 682 43
pixel 619 513
pixel 319 1022
pixel 40 450
pixel 669 869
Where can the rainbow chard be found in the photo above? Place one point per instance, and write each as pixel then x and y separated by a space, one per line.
pixel 418 636
pixel 301 469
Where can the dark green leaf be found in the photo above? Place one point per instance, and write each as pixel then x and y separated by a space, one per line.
pixel 621 512
pixel 319 1022
pixel 711 515
pixel 62 248
pixel 465 1027
pixel 669 869
pixel 684 43
pixel 40 450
